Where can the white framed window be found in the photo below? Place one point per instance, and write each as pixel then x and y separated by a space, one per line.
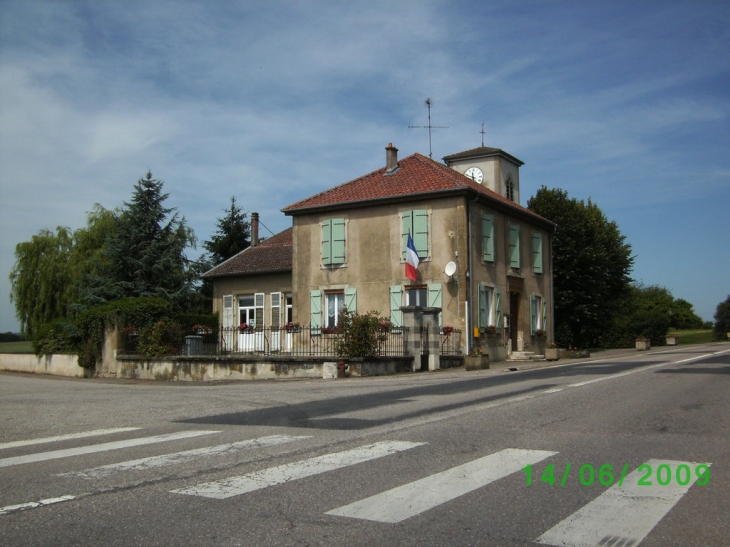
pixel 417 296
pixel 289 307
pixel 251 309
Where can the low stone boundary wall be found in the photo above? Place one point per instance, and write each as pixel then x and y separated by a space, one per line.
pixel 248 368
pixel 59 365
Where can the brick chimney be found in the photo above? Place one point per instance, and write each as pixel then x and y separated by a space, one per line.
pixel 254 229
pixel 391 159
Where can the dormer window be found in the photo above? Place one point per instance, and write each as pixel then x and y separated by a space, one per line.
pixel 509 188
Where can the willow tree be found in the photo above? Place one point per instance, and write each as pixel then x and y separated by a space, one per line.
pixel 42 288
pixel 51 268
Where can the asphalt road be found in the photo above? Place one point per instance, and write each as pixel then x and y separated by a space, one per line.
pixel 629 449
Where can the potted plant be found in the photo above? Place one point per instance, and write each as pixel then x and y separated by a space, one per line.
pixel 477 360
pixel 293 326
pixel 552 352
pixel 245 327
pixel 643 344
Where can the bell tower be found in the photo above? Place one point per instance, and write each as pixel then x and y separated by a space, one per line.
pixel 492 167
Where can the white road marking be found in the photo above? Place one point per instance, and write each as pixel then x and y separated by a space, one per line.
pixel 57 438
pixel 116 445
pixel 33 504
pixel 179 457
pixel 416 497
pixel 622 515
pixel 272 476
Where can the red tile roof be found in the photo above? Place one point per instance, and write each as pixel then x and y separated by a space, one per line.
pixel 416 176
pixel 272 255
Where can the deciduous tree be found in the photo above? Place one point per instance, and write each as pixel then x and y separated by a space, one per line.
pixel 591 266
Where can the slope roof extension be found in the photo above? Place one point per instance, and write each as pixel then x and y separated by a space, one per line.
pixel 272 255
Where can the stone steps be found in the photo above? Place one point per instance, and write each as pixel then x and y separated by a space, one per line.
pixel 525 356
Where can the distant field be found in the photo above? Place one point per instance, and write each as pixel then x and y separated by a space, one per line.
pixel 699 336
pixel 16 347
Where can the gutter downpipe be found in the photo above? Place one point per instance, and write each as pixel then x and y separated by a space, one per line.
pixel 470 275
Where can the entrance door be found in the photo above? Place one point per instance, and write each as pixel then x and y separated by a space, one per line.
pixel 514 323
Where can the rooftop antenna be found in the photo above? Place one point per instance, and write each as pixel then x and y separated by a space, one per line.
pixel 482 132
pixel 429 127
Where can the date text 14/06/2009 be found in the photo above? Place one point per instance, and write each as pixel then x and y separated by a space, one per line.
pixel 683 474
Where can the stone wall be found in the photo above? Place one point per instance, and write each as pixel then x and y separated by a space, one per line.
pixel 59 365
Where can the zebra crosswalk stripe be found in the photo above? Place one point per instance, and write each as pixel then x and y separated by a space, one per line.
pixel 416 497
pixel 179 457
pixel 57 438
pixel 257 480
pixel 103 447
pixel 622 515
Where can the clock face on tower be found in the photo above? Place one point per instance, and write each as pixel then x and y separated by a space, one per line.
pixel 475 174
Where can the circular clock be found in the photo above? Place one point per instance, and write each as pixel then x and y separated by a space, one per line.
pixel 475 174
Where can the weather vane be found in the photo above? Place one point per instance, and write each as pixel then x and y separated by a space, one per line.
pixel 429 127
pixel 482 132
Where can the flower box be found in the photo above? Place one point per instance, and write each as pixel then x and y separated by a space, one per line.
pixel 672 339
pixel 643 344
pixel 476 362
pixel 552 354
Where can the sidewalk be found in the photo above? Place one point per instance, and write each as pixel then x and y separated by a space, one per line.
pixel 499 367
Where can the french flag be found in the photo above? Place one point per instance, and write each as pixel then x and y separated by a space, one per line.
pixel 411 260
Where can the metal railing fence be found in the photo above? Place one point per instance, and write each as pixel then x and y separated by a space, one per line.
pixel 295 342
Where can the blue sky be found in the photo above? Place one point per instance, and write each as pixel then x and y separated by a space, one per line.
pixel 626 103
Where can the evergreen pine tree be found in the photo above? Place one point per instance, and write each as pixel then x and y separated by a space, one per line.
pixel 232 234
pixel 146 255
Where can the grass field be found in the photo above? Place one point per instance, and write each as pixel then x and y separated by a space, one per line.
pixel 699 336
pixel 16 347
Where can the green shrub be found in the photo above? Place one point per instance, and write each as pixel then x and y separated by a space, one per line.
pixel 93 323
pixel 58 336
pixel 361 334
pixel 160 338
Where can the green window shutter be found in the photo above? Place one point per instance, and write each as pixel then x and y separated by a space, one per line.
pixel 327 242
pixel 544 315
pixel 396 299
pixel 514 245
pixel 435 299
pixel 351 300
pixel 482 320
pixel 415 223
pixel 315 309
pixel 488 238
pixel 338 241
pixel 534 312
pixel 498 307
pixel 406 228
pixel 537 253
pixel 420 232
